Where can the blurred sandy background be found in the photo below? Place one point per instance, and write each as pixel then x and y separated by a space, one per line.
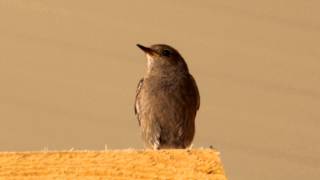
pixel 69 70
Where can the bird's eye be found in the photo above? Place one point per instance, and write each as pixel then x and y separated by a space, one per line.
pixel 166 53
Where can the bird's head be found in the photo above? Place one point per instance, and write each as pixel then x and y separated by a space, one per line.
pixel 164 59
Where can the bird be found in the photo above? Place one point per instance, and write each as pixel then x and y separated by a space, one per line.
pixel 167 100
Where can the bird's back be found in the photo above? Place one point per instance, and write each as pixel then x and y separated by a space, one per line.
pixel 167 108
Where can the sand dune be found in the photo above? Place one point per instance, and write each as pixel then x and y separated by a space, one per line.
pixel 69 69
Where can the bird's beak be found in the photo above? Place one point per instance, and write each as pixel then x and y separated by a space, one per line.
pixel 147 50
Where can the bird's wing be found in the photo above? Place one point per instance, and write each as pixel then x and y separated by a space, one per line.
pixel 196 91
pixel 136 103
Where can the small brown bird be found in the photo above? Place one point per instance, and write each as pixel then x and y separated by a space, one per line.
pixel 167 99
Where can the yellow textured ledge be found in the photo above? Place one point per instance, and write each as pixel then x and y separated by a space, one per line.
pixel 115 164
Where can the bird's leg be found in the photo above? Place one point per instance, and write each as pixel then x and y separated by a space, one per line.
pixel 156 145
pixel 190 147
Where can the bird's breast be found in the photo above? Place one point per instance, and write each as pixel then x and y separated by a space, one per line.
pixel 162 93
